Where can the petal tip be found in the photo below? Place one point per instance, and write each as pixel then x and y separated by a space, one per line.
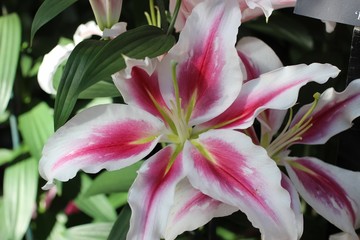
pixel 48 185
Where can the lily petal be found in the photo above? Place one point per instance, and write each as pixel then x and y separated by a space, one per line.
pixel 271 120
pixel 139 85
pixel 85 31
pixel 227 166
pixel 332 191
pixel 295 202
pixel 208 72
pixel 49 65
pixel 152 195
pixel 274 90
pixel 193 209
pixel 256 57
pixel 115 30
pixel 250 9
pixel 109 136
pixel 343 236
pixel 262 7
pixel 334 113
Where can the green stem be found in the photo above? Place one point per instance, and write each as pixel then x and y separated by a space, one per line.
pixel 173 19
pixel 14 132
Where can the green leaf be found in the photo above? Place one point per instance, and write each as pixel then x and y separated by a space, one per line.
pixel 36 127
pixel 92 231
pixel 121 226
pixel 47 11
pixel 20 187
pixel 10 38
pixel 92 61
pixel 97 206
pixel 114 181
pixel 100 89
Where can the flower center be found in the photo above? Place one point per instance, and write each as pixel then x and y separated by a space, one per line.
pixel 176 116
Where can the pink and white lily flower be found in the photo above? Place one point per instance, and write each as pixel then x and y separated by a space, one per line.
pixel 191 102
pixel 250 9
pixel 332 191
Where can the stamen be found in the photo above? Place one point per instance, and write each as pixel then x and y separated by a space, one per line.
pixel 165 113
pixel 289 136
pixel 175 84
pixel 191 106
pixel 311 109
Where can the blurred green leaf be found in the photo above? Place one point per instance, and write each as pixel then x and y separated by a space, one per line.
pixel 118 199
pixel 121 226
pixel 28 66
pixel 4 116
pixel 58 232
pixel 10 37
pixel 114 181
pixel 92 61
pixel 47 11
pixel 2 217
pixel 97 206
pixel 92 231
pixel 20 187
pixel 36 127
pixel 7 155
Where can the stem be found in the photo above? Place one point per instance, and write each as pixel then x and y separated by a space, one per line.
pixel 173 19
pixel 14 133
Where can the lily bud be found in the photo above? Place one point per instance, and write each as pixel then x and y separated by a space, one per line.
pixel 107 12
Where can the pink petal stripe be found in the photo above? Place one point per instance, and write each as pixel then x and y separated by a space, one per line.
pixel 334 113
pixel 274 90
pixel 106 136
pixel 239 173
pixel 331 191
pixel 139 85
pixel 208 68
pixel 193 209
pixel 152 195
